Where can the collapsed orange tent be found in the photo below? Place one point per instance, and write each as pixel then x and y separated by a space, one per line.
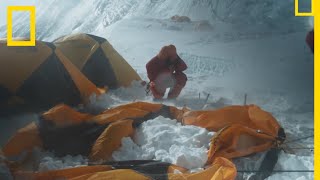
pixel 241 131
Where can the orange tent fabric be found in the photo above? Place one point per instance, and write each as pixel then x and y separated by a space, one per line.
pixel 243 130
pixel 221 169
pixel 240 131
pixel 23 141
pixel 63 115
pixel 110 140
pixel 250 116
pixel 62 174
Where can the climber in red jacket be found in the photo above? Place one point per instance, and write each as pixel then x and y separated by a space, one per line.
pixel 166 71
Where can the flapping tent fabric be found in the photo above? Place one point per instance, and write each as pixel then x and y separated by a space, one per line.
pixel 251 116
pixel 221 169
pixel 31 139
pixel 97 60
pixel 241 131
pixel 40 76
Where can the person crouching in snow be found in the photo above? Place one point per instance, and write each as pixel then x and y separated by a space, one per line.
pixel 166 71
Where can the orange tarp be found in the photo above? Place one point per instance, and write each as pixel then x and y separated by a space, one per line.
pixel 240 131
pixel 23 141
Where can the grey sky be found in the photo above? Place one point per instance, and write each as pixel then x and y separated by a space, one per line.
pixel 5 3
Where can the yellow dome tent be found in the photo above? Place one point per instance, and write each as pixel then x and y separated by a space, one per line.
pixel 241 131
pixel 97 60
pixel 40 76
pixel 66 71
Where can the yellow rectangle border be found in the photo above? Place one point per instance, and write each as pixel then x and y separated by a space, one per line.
pixel 296 9
pixel 32 41
pixel 317 89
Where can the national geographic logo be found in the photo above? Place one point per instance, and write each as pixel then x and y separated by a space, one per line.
pixel 32 39
pixel 296 9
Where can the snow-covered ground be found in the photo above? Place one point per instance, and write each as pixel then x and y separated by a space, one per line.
pixel 50 162
pixel 168 141
pixel 253 47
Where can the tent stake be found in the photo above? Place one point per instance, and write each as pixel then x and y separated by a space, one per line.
pixel 207 98
pixel 205 102
pixel 245 99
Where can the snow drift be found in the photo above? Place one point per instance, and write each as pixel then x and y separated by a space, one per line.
pixel 168 141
